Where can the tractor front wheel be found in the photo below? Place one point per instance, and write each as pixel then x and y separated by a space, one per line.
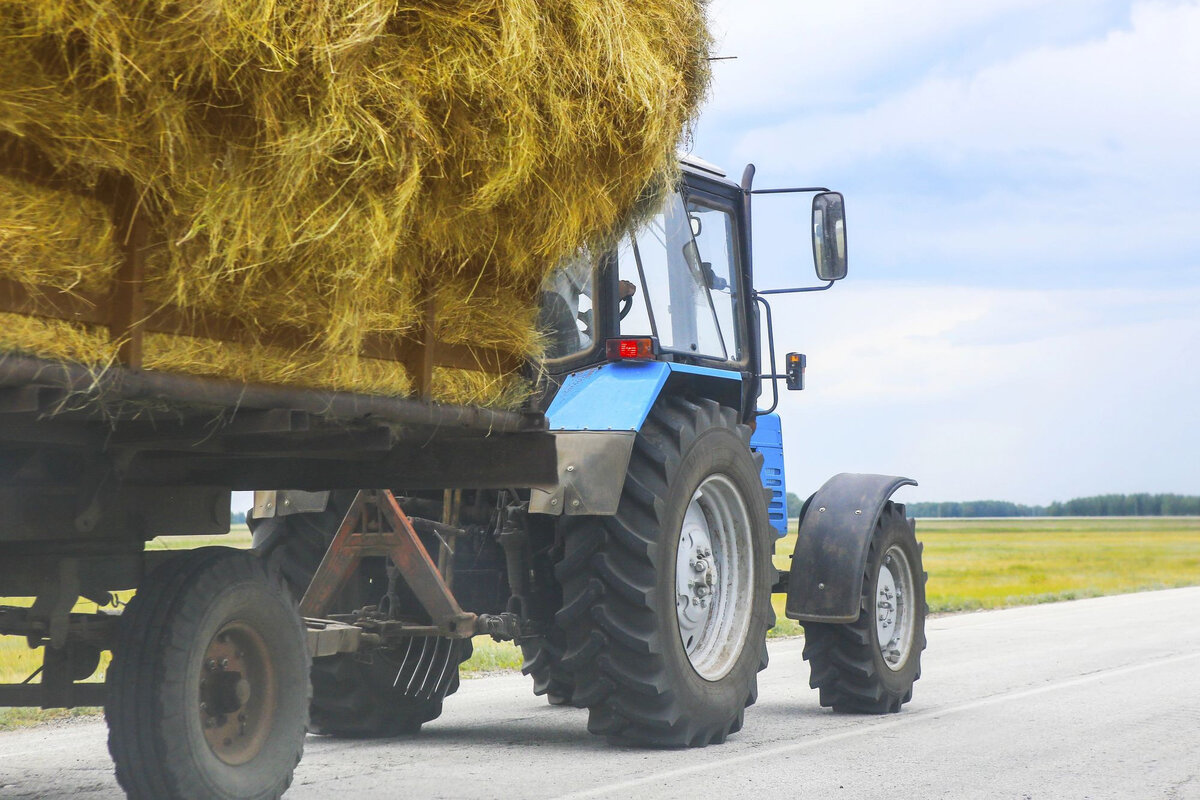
pixel 869 666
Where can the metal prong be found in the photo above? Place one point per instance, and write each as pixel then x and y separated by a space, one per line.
pixel 403 661
pixel 444 678
pixel 417 667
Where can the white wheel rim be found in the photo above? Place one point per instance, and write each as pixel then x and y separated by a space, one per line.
pixel 714 577
pixel 894 608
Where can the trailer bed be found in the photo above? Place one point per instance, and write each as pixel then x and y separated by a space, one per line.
pixel 164 429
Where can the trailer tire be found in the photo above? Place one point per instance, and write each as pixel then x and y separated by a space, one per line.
pixel 651 666
pixel 852 670
pixel 354 696
pixel 208 688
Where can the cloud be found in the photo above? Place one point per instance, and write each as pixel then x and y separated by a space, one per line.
pixel 1118 107
pixel 1013 394
pixel 800 56
pixel 1022 317
pixel 1063 159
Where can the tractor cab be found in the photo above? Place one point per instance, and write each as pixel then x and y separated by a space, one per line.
pixel 679 287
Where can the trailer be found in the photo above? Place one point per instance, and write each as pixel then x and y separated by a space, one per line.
pixel 620 529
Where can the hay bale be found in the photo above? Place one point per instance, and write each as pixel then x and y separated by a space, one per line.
pixel 319 162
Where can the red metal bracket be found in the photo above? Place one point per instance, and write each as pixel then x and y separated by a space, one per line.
pixel 375 525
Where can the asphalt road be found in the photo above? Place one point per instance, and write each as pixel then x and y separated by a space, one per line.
pixel 1095 698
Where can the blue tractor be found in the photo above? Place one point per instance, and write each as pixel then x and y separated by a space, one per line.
pixel 639 583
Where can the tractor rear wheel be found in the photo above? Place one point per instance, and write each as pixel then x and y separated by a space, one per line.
pixel 666 604
pixel 208 689
pixel 869 666
pixel 542 662
pixel 388 692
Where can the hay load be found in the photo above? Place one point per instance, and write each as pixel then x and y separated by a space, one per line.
pixel 360 174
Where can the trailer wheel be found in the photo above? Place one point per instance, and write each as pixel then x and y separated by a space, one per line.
pixel 381 694
pixel 869 666
pixel 666 604
pixel 208 689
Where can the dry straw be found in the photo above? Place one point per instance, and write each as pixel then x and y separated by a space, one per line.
pixel 319 161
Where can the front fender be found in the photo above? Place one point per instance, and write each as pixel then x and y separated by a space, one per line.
pixel 825 582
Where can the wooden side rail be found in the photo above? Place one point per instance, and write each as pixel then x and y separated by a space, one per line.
pixel 128 316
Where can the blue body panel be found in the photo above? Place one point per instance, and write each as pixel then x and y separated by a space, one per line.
pixel 617 396
pixel 768 440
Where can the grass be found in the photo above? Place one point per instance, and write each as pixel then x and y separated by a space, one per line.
pixel 994 563
pixel 972 564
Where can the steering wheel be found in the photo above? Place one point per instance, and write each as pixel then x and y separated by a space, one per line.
pixel 626 306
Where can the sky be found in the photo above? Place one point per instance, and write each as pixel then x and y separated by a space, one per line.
pixel 1021 320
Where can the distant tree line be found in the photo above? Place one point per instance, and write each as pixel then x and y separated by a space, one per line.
pixel 237 517
pixel 1102 505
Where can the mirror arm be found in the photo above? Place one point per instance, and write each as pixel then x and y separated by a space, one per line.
pixel 795 189
pixel 796 290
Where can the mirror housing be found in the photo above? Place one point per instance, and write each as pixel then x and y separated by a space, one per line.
pixel 829 235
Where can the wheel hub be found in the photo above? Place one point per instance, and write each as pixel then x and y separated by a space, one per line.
pixel 713 577
pixel 893 608
pixel 238 692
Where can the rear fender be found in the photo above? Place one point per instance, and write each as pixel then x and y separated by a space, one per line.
pixel 268 504
pixel 595 418
pixel 825 583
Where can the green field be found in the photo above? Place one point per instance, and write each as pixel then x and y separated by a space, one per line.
pixel 972 564
pixel 993 563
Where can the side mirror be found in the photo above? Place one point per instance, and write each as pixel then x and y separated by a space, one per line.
pixel 829 236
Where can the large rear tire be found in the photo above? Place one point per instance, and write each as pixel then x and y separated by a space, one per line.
pixel 666 605
pixel 386 693
pixel 208 689
pixel 393 694
pixel 869 666
pixel 543 662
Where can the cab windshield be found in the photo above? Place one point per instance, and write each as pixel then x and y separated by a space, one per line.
pixel 677 281
pixel 680 266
